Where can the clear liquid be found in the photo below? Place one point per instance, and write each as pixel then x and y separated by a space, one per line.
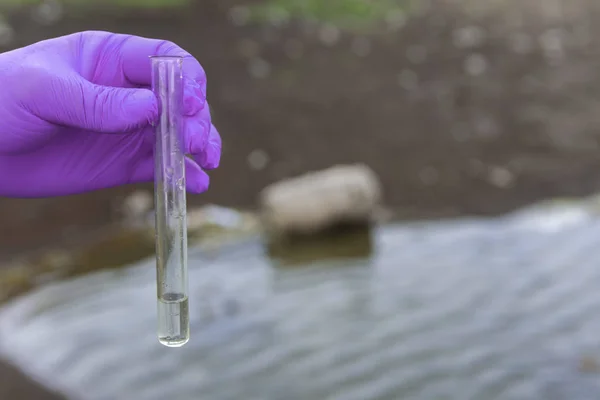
pixel 173 320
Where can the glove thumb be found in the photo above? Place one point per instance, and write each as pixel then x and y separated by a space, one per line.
pixel 82 104
pixel 114 110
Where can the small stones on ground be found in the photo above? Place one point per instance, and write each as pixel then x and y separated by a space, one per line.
pixel 137 205
pixel 221 218
pixel 258 160
pixel 476 167
pixel 501 177
pixel 395 20
pixel 475 64
pixel 212 226
pixel 48 12
pixel 408 79
pixel 461 132
pixel 259 68
pixel 468 37
pixel 485 126
pixel 294 48
pixel 552 44
pixel 429 176
pixel 213 215
pixel 249 48
pixel 239 15
pixel 361 46
pixel 329 34
pixel 7 34
pixel 416 54
pixel 521 43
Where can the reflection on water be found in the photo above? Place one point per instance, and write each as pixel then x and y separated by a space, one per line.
pixel 471 309
pixel 345 242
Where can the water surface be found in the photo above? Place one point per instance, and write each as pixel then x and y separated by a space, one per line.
pixel 469 309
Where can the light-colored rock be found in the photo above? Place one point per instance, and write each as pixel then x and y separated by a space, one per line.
pixel 214 225
pixel 7 33
pixel 48 12
pixel 319 200
pixel 137 205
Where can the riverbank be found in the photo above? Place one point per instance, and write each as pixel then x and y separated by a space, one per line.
pixel 457 113
pixel 480 308
pixel 16 385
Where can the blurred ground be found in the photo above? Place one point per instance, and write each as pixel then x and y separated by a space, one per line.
pixel 458 112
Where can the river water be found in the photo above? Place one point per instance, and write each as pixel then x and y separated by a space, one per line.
pixel 481 309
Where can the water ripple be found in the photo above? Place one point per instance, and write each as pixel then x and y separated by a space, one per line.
pixel 474 309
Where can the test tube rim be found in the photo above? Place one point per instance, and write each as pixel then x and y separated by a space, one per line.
pixel 167 57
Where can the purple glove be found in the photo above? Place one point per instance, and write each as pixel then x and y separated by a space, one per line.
pixel 75 115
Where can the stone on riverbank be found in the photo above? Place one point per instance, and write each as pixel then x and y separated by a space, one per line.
pixel 314 202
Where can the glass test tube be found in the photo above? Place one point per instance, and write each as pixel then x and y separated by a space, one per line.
pixel 170 204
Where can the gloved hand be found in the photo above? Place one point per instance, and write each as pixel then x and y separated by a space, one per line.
pixel 76 114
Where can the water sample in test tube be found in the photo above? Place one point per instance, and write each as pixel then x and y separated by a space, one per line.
pixel 170 204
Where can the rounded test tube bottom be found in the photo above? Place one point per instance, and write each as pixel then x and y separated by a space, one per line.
pixel 173 320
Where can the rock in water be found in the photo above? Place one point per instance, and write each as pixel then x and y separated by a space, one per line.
pixel 320 200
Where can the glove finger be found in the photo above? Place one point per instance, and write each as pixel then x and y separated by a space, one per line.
pixel 73 101
pixel 210 157
pixel 196 131
pixel 199 136
pixel 197 181
pixel 194 99
pixel 135 53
